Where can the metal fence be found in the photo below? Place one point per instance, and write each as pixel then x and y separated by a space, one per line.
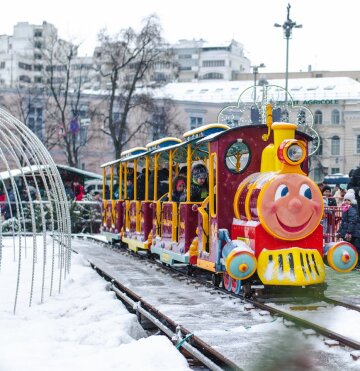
pixel 331 223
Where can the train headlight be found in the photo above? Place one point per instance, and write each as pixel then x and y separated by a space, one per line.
pixel 295 152
pixel 292 152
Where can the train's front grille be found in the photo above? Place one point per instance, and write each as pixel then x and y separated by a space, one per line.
pixel 293 267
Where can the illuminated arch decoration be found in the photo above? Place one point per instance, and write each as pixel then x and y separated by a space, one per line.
pixel 35 227
pixel 251 109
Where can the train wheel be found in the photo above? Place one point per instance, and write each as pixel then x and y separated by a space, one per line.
pixel 216 279
pixel 236 287
pixel 227 281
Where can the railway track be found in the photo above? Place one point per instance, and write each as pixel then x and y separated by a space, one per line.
pixel 228 314
pixel 195 350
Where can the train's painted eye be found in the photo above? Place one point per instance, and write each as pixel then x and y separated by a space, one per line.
pixel 305 191
pixel 281 191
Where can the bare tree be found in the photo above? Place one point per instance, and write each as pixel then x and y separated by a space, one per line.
pixel 125 62
pixel 29 105
pixel 161 120
pixel 64 77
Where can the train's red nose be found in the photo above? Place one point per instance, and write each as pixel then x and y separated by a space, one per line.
pixel 294 205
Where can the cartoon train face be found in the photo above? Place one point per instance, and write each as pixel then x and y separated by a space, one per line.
pixel 289 206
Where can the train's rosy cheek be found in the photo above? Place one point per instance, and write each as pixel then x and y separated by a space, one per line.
pixel 317 206
pixel 270 207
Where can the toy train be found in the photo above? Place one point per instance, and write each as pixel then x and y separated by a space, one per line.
pixel 259 226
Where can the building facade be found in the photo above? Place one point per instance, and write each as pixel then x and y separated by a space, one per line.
pixel 201 60
pixel 334 104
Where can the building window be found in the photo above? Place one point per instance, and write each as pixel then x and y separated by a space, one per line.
pixel 184 56
pixel 335 116
pixel 335 146
pixel 320 149
pixel 213 76
pixel 2 65
pixel 35 121
pixel 185 68
pixel 82 135
pixel 214 63
pixel 318 117
pixel 25 66
pixel 195 122
pixel 158 125
pixel 335 170
pixel 318 175
pixel 24 78
pixel 358 144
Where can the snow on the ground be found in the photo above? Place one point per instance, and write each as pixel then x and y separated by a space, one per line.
pixel 81 328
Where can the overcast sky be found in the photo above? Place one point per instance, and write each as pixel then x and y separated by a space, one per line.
pixel 329 39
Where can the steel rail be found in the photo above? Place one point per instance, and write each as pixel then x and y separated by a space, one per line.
pixel 200 351
pixel 341 303
pixel 304 323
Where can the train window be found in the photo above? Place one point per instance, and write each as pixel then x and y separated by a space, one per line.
pixel 237 157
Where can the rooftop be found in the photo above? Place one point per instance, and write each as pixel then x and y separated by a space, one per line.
pixel 331 88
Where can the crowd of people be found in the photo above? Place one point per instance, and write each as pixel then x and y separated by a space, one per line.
pixel 198 186
pixel 74 191
pixel 348 201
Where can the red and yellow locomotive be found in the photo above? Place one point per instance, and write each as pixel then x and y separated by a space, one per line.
pixel 259 223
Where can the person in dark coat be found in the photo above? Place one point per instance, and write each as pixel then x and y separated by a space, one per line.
pixel 130 188
pixel 179 189
pixel 349 229
pixel 140 195
pixel 354 184
pixel 162 183
pixel 328 199
pixel 199 188
pixel 329 214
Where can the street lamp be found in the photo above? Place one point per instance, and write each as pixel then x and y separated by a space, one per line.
pixel 255 72
pixel 287 27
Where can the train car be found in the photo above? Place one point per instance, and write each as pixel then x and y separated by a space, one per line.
pixel 258 229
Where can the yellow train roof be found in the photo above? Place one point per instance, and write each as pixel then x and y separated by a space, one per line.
pixel 205 130
pixel 162 143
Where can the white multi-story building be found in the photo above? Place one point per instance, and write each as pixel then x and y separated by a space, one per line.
pixel 201 60
pixel 21 57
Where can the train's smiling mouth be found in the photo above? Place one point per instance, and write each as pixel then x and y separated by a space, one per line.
pixel 293 229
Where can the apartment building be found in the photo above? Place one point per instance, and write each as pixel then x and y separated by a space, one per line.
pixel 202 60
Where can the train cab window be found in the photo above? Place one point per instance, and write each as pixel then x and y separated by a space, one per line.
pixel 237 157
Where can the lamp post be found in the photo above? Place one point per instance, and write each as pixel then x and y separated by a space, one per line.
pixel 255 72
pixel 287 27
